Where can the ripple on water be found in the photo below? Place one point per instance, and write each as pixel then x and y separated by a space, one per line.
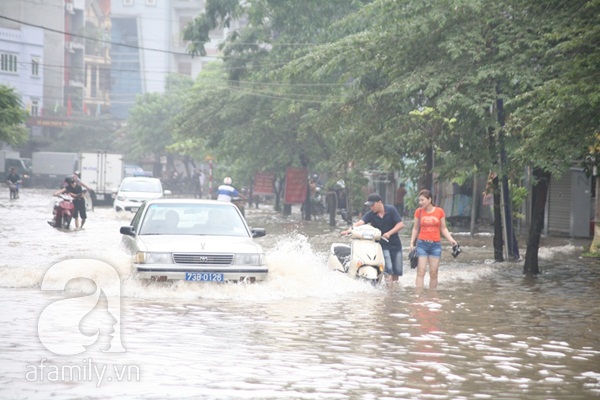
pixel 307 332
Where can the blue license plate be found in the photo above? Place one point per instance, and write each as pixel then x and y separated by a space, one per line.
pixel 203 277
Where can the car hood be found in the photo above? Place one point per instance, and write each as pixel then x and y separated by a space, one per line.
pixel 197 244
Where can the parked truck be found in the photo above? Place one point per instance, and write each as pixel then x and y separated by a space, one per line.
pixel 12 159
pixel 51 168
pixel 103 173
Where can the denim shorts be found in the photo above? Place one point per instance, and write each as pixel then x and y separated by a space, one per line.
pixel 396 268
pixel 426 248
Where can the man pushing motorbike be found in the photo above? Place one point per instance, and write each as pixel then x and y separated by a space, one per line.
pixel 386 218
pixel 14 181
pixel 75 190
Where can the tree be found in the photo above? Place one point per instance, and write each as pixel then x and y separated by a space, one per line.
pixel 377 61
pixel 463 58
pixel 149 128
pixel 558 117
pixel 253 110
pixel 593 164
pixel 12 117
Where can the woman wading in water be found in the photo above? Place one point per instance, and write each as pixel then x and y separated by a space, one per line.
pixel 428 227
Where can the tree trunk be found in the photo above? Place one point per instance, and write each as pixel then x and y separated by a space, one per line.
pixel 307 206
pixel 595 247
pixel 498 240
pixel 540 194
pixel 429 169
pixel 349 209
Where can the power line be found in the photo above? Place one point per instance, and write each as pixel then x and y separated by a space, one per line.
pixel 97 40
pixel 149 48
pixel 176 22
pixel 259 83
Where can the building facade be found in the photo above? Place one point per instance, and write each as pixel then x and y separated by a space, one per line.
pixel 72 66
pixel 21 55
pixel 147 46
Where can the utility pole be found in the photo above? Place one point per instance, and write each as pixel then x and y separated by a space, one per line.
pixel 511 246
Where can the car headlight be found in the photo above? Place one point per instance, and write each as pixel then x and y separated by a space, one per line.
pixel 121 198
pixel 249 259
pixel 142 257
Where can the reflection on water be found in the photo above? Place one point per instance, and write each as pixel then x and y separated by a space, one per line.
pixel 306 333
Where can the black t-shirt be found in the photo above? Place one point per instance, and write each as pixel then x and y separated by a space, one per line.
pixel 14 178
pixel 390 218
pixel 77 190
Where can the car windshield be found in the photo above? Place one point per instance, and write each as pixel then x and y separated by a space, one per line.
pixel 141 185
pixel 193 219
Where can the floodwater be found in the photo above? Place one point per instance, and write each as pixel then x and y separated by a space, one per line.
pixel 487 332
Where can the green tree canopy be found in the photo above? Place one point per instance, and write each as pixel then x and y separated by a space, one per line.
pixel 519 79
pixel 12 117
pixel 150 126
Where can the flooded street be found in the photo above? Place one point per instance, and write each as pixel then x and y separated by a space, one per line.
pixel 488 332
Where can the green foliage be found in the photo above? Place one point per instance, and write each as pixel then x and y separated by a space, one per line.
pixel 148 130
pixel 332 84
pixel 518 196
pixel 12 117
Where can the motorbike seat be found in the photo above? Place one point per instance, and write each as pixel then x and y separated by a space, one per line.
pixel 341 251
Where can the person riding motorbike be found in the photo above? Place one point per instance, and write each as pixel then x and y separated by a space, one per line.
pixel 14 181
pixel 76 191
pixel 226 192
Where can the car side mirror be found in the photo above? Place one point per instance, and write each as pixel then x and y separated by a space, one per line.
pixel 167 192
pixel 258 232
pixel 127 230
pixel 114 190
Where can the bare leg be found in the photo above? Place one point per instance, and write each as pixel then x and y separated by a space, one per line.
pixel 434 263
pixel 82 222
pixel 77 223
pixel 421 270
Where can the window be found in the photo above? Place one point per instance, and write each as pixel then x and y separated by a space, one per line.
pixel 151 3
pixel 35 108
pixel 93 81
pixel 127 2
pixel 8 62
pixel 185 68
pixel 183 21
pixel 35 66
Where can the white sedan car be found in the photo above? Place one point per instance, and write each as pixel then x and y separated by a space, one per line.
pixel 134 190
pixel 194 240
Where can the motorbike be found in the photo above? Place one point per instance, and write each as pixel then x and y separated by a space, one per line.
pixel 62 213
pixel 362 258
pixel 240 203
pixel 14 189
pixel 316 205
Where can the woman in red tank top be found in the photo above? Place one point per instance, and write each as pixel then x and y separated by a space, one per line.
pixel 428 227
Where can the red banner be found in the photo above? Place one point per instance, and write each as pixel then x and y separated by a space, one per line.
pixel 263 183
pixel 296 181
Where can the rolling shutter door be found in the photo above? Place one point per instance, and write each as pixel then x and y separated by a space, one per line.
pixel 559 205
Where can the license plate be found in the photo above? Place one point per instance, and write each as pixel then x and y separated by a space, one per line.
pixel 100 197
pixel 134 209
pixel 203 277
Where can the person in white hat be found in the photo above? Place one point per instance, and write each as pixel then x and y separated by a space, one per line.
pixel 226 192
